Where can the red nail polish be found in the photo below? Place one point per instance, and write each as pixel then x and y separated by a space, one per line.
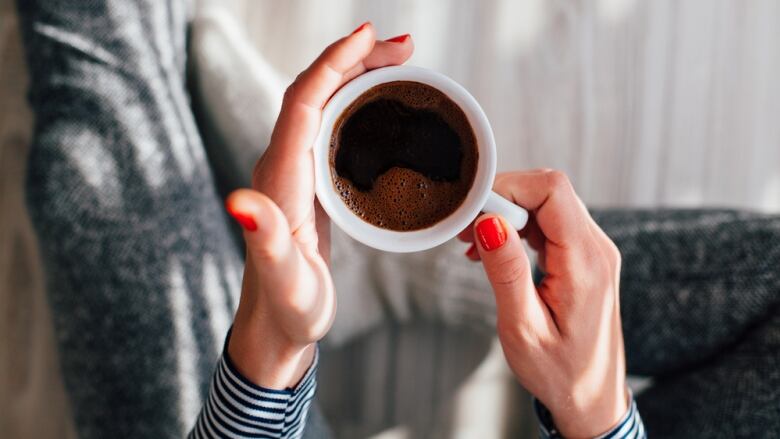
pixel 491 233
pixel 472 251
pixel 245 220
pixel 360 28
pixel 398 39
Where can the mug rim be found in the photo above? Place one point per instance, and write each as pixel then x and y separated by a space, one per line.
pixel 396 240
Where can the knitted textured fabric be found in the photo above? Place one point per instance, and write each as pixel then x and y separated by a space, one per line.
pixel 143 273
pixel 700 303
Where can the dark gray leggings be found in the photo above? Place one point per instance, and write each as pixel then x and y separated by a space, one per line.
pixel 133 233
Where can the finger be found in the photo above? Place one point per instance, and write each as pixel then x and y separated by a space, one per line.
pixel 472 253
pixel 385 53
pixel 323 231
pixel 268 237
pixel 509 271
pixel 392 51
pixel 299 119
pixel 558 211
pixel 314 86
pixel 467 234
pixel 345 59
pixel 533 235
pixel 541 261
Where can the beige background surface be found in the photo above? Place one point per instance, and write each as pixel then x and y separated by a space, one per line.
pixel 643 103
pixel 32 398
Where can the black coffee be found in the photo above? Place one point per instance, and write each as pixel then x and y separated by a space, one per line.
pixel 403 156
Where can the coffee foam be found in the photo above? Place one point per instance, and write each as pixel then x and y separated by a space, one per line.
pixel 401 198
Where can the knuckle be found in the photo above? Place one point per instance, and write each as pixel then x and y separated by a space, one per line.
pixel 503 183
pixel 328 51
pixel 299 307
pixel 509 271
pixel 558 180
pixel 292 89
pixel 594 271
pixel 506 181
pixel 609 256
pixel 613 255
pixel 273 251
pixel 505 176
pixel 267 256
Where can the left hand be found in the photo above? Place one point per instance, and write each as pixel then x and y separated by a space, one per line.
pixel 287 299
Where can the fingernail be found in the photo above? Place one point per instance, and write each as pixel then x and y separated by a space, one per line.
pixel 246 221
pixel 491 233
pixel 398 39
pixel 472 251
pixel 360 28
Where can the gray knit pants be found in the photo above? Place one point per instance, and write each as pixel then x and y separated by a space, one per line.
pixel 700 303
pixel 143 271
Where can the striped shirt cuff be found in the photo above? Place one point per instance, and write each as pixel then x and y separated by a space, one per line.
pixel 629 426
pixel 236 407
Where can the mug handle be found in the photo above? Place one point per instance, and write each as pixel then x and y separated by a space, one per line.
pixel 514 214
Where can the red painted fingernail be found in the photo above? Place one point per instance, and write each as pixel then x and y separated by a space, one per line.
pixel 360 28
pixel 472 251
pixel 245 220
pixel 491 233
pixel 399 38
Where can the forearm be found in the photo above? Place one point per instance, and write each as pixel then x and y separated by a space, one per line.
pixel 237 406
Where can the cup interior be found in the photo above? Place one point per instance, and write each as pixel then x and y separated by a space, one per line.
pixel 415 240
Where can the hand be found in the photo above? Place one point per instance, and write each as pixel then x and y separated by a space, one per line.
pixel 287 299
pixel 562 338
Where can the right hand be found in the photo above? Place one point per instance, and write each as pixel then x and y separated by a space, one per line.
pixel 562 338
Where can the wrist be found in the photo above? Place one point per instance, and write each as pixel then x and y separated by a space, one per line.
pixel 596 418
pixel 265 356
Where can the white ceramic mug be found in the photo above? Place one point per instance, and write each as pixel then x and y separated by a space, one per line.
pixel 479 198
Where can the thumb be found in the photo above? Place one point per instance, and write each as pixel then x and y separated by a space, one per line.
pixel 271 252
pixel 509 271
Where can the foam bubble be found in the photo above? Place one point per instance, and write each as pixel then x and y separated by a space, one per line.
pixel 402 199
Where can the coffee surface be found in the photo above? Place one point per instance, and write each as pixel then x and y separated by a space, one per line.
pixel 403 156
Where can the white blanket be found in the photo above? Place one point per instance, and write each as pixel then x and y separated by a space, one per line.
pixel 242 94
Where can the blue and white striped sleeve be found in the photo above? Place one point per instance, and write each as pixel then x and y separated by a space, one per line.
pixel 237 408
pixel 630 425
